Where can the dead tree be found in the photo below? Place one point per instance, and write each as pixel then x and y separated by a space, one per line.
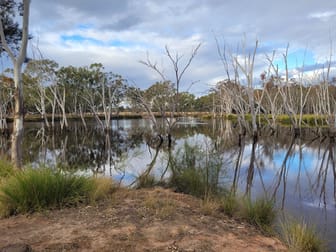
pixel 179 69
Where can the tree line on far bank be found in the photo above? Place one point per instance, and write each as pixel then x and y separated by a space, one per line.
pixel 51 90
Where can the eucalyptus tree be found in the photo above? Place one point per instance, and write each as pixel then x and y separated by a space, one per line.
pixel 104 92
pixel 13 34
pixel 204 103
pixel 17 60
pixel 58 91
pixel 38 75
pixel 6 86
pixel 73 83
pixel 187 102
pixel 161 97
pixel 69 79
pixel 111 94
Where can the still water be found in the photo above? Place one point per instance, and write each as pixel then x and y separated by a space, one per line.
pixel 299 172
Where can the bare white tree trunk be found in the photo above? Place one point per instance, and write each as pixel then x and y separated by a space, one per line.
pixel 247 69
pixel 179 71
pixel 18 61
pixel 60 99
pixel 53 102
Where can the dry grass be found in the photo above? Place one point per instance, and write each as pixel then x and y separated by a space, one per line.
pixel 163 207
pixel 104 187
pixel 210 206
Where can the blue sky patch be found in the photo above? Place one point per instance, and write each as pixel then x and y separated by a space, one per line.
pixel 297 59
pixel 120 43
pixel 81 39
pixel 85 26
pixel 76 38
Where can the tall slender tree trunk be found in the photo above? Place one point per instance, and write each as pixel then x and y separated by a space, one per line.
pixel 17 134
pixel 18 61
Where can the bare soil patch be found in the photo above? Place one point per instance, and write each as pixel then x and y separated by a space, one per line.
pixel 135 220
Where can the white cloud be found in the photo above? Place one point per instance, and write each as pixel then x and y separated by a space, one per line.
pixel 120 33
pixel 324 16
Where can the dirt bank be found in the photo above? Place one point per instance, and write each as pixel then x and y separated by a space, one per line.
pixel 136 220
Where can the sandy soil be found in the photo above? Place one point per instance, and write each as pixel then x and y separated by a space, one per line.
pixel 136 220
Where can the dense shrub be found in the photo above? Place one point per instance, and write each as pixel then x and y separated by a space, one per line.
pixel 36 189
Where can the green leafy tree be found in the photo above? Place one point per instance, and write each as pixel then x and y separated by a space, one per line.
pixel 204 103
pixel 160 96
pixel 187 102
pixel 38 75
pixel 103 93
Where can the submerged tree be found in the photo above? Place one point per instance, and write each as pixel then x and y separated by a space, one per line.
pixel 179 69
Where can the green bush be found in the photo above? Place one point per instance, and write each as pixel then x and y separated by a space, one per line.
pixel 260 212
pixel 190 181
pixel 196 171
pixel 299 237
pixel 284 119
pixel 37 189
pixel 232 117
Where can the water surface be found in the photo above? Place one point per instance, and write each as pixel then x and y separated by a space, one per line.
pixel 299 172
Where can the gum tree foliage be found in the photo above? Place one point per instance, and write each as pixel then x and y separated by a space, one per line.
pixel 9 9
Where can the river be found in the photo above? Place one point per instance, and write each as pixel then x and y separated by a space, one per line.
pixel 299 172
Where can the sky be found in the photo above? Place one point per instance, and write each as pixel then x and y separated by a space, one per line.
pixel 119 34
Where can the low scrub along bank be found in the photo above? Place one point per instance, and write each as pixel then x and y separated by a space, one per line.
pixel 197 172
pixel 298 236
pixel 308 120
pixel 194 172
pixel 37 189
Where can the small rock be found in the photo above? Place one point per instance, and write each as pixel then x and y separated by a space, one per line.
pixel 17 248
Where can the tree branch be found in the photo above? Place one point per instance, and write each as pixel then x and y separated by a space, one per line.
pixel 4 43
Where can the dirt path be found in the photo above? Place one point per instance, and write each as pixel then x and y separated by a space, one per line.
pixel 135 220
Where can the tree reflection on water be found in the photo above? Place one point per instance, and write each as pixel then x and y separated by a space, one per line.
pixel 298 171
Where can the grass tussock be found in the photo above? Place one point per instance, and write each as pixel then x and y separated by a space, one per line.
pixel 229 204
pixel 6 168
pixel 261 213
pixel 145 181
pixel 102 189
pixel 210 206
pixel 163 208
pixel 189 181
pixel 300 237
pixel 37 189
